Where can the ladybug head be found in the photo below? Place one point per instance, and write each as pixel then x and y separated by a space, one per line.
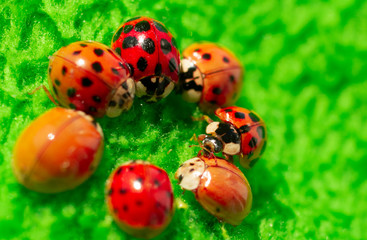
pixel 190 81
pixel 212 144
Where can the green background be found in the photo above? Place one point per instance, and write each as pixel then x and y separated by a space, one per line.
pixel 305 76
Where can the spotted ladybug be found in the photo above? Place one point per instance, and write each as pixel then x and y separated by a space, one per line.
pixel 140 199
pixel 58 151
pixel 152 54
pixel 90 77
pixel 219 186
pixel 241 132
pixel 210 75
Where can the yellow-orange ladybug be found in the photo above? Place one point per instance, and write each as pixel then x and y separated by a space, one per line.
pixel 210 76
pixel 219 186
pixel 58 151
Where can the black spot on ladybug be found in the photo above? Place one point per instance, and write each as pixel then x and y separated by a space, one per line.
pixel 142 26
pixel 92 109
pixel 97 67
pixel 121 102
pixel 239 115
pixel 132 19
pixel 245 129
pixel 86 82
pixel 263 148
pixel 207 56
pixel 191 170
pixel 55 90
pixel 217 210
pixel 173 40
pixel 142 64
pixel 197 50
pixel 172 65
pixel 123 190
pixel 252 142
pixel 148 45
pixel 192 164
pixel 252 163
pixel 112 103
pixel 83 45
pixel 254 117
pixel 158 69
pixel 231 78
pixel 119 171
pixel 156 183
pixel 77 52
pixel 125 208
pixel 128 28
pixel 99 52
pixel 138 202
pixel 169 194
pixel 217 91
pixel 64 70
pixel 110 192
pixel 131 168
pixel 165 46
pixel 261 131
pixel 180 178
pixel 57 82
pixel 160 27
pixel 71 92
pixel 129 42
pixel 115 71
pixel 124 85
pixel 225 59
pixel 117 34
pixel 118 50
pixel 228 110
pixel 131 69
pixel 96 98
pixel 72 106
pixel 139 179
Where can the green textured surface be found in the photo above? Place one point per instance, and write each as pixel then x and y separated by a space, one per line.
pixel 306 76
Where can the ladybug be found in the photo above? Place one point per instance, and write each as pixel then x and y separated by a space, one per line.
pixel 58 151
pixel 140 199
pixel 210 76
pixel 90 77
pixel 151 52
pixel 241 132
pixel 219 186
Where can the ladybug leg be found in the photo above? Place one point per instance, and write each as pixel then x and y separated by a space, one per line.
pixel 202 118
pixel 47 93
pixel 229 158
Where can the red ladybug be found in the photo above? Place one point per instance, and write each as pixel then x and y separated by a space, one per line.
pixel 242 132
pixel 152 54
pixel 58 151
pixel 219 186
pixel 90 77
pixel 210 76
pixel 140 199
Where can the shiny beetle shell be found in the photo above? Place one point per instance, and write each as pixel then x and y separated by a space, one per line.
pixel 211 76
pixel 140 199
pixel 152 54
pixel 58 151
pixel 90 77
pixel 219 186
pixel 252 131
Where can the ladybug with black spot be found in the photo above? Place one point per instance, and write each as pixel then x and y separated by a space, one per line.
pixel 151 52
pixel 140 199
pixel 241 132
pixel 210 75
pixel 91 77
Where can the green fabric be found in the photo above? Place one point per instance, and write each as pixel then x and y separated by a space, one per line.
pixel 305 76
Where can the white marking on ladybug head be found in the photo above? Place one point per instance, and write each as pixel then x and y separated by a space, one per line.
pixel 189 173
pixel 210 129
pixel 231 148
pixel 140 89
pixel 191 81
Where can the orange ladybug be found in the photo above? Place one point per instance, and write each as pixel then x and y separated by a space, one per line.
pixel 219 186
pixel 58 151
pixel 210 76
pixel 90 77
